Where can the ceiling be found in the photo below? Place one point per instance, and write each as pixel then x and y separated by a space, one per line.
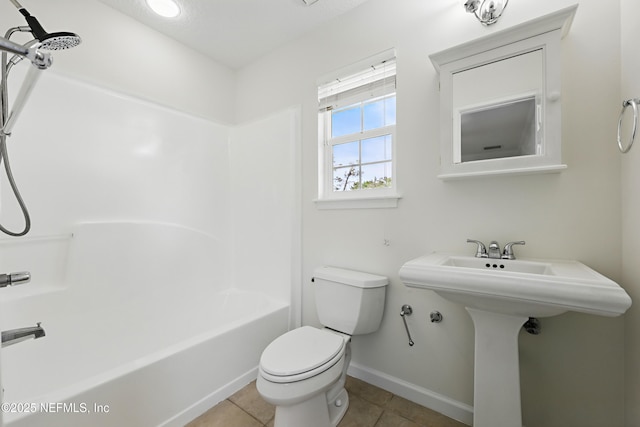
pixel 237 32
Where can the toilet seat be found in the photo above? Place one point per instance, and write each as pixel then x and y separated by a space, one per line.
pixel 300 354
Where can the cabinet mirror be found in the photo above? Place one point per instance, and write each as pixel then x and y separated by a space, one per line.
pixel 500 109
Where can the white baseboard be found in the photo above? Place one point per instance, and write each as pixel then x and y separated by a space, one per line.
pixel 422 396
pixel 211 400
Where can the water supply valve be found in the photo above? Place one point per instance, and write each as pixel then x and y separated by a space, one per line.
pixel 532 326
pixel 435 316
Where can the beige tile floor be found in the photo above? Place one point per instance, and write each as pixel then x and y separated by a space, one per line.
pixel 369 406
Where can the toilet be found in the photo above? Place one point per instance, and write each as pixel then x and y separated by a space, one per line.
pixel 303 372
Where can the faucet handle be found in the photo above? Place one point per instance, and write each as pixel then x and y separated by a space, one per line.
pixel 508 250
pixel 481 250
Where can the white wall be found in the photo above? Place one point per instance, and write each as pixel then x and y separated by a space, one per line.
pixel 630 88
pixel 572 374
pixel 119 53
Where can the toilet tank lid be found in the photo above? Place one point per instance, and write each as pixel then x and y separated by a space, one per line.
pixel 350 277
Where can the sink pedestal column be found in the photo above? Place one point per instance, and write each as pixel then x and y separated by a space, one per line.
pixel 496 392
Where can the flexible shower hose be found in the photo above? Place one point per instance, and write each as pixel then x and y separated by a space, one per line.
pixel 5 67
pixel 7 167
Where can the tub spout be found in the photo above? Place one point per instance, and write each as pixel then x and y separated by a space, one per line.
pixel 14 336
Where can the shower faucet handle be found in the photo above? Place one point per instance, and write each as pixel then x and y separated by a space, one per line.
pixel 481 250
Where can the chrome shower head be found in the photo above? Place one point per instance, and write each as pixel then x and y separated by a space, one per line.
pixel 48 41
pixel 59 41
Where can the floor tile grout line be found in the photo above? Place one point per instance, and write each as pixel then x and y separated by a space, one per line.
pixel 245 411
pixel 379 416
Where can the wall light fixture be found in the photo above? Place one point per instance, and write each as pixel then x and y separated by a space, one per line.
pixel 487 11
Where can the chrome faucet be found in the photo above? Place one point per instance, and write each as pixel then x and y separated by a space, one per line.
pixel 494 249
pixel 507 253
pixel 481 250
pixel 14 336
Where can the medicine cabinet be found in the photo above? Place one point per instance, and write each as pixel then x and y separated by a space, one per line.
pixel 500 100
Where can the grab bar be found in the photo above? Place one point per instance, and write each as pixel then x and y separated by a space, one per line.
pixel 633 103
pixel 406 311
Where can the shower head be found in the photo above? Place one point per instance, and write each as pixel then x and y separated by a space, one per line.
pixel 49 41
pixel 59 41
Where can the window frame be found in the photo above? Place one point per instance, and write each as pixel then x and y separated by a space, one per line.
pixel 360 198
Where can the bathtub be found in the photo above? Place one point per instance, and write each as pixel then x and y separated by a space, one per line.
pixel 144 331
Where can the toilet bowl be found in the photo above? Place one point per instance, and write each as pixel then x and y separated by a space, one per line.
pixel 303 372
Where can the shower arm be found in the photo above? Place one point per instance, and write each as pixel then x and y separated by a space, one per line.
pixel 41 60
pixel 28 51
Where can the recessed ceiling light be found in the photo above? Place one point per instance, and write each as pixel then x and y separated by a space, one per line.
pixel 166 8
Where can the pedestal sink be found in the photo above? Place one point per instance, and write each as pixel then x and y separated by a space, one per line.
pixel 501 295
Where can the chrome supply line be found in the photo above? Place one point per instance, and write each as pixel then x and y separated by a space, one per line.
pixel 406 311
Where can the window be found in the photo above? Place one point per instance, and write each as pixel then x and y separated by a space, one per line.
pixel 357 128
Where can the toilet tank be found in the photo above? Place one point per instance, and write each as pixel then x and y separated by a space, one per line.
pixel 349 301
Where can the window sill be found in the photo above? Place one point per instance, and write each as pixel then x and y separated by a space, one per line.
pixel 370 202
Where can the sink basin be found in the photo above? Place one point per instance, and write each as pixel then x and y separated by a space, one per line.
pixel 528 287
pixel 500 295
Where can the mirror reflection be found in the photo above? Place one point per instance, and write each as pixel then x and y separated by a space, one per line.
pixel 494 108
pixel 504 129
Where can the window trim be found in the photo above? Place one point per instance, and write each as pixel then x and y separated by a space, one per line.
pixel 362 198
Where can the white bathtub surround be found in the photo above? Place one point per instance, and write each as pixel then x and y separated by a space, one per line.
pixel 134 210
pixel 101 155
pixel 145 328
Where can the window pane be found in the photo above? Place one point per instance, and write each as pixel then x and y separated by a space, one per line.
pixel 373 115
pixel 345 122
pixel 390 110
pixel 376 176
pixel 346 179
pixel 376 149
pixel 346 154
